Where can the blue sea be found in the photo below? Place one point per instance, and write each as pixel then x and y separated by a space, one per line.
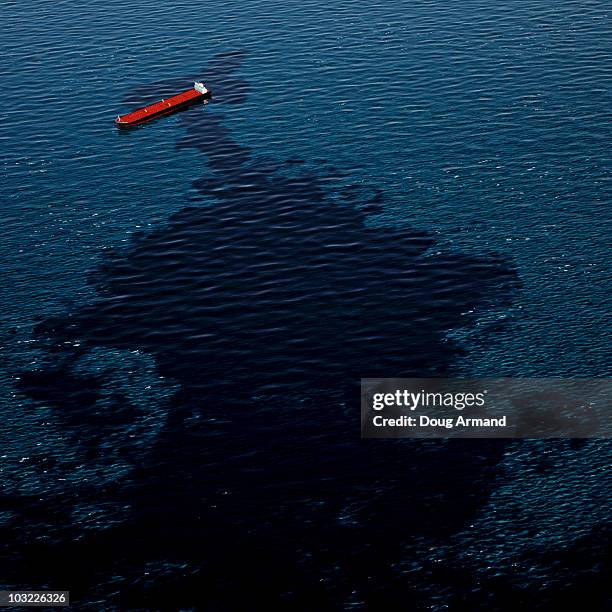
pixel 374 189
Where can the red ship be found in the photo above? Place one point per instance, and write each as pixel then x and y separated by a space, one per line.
pixel 164 107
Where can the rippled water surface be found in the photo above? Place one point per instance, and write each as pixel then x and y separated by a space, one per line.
pixel 410 188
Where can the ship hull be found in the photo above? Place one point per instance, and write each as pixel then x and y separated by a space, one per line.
pixel 161 108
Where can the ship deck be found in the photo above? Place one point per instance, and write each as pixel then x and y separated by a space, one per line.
pixel 161 107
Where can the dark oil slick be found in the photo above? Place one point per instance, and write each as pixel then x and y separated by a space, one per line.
pixel 262 302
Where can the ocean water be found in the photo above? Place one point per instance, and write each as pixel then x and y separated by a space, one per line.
pixel 410 188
